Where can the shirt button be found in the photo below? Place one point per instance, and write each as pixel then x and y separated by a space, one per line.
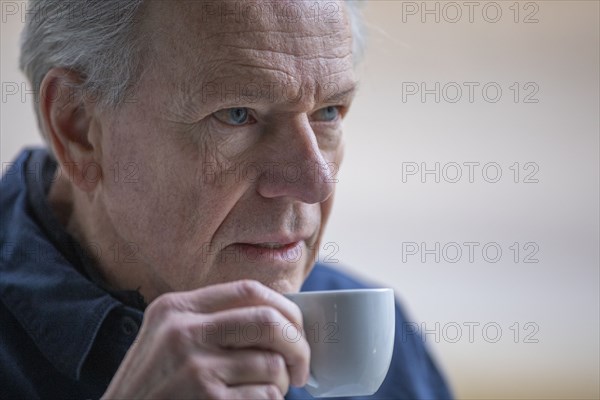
pixel 129 326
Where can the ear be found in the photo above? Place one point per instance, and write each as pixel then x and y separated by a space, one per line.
pixel 68 119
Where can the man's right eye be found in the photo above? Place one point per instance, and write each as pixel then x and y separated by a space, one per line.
pixel 237 116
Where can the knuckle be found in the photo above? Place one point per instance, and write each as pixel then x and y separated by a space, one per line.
pixel 161 306
pixel 177 338
pixel 250 289
pixel 299 360
pixel 301 357
pixel 274 363
pixel 194 370
pixel 272 392
pixel 216 392
pixel 203 379
pixel 297 313
pixel 212 388
pixel 267 315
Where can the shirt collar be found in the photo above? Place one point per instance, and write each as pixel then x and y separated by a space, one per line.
pixel 57 306
pixel 40 170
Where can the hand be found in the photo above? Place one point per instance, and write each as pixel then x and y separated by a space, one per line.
pixel 227 341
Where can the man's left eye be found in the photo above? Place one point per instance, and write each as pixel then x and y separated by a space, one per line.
pixel 327 114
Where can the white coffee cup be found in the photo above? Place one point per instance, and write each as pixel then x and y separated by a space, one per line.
pixel 351 338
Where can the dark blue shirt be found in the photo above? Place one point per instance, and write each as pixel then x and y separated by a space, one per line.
pixel 63 333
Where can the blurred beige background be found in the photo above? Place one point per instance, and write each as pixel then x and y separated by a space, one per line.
pixel 500 327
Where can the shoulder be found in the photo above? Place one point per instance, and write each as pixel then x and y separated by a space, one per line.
pixel 12 185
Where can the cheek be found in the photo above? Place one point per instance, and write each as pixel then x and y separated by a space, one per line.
pixel 335 157
pixel 146 198
pixel 159 194
pixel 326 207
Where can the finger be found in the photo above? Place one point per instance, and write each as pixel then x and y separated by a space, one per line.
pixel 259 327
pixel 247 392
pixel 237 294
pixel 243 367
pixel 198 381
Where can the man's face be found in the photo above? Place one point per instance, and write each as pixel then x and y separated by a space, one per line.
pixel 231 142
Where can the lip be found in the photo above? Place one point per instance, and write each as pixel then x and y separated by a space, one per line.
pixel 273 245
pixel 260 252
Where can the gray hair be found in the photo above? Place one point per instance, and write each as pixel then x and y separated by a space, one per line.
pixel 354 8
pixel 99 39
pixel 95 38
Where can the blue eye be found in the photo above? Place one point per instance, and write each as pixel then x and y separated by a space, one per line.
pixel 234 116
pixel 327 114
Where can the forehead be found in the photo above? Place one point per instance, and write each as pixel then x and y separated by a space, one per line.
pixel 293 43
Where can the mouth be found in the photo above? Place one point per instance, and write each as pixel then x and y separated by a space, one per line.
pixel 279 253
pixel 274 245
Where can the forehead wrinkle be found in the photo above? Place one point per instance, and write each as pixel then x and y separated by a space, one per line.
pixel 188 19
pixel 301 94
pixel 304 57
pixel 337 44
pixel 227 76
pixel 254 62
pixel 267 51
pixel 260 71
pixel 212 27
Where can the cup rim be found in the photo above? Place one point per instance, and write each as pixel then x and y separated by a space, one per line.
pixel 340 291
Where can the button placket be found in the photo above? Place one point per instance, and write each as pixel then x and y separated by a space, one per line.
pixel 129 326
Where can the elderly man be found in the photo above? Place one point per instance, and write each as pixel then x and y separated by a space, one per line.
pixel 188 178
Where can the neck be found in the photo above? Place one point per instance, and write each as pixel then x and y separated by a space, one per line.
pixel 83 215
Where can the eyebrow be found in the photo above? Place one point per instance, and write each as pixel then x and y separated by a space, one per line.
pixel 342 95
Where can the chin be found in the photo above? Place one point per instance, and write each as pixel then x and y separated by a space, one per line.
pixel 283 277
pixel 284 286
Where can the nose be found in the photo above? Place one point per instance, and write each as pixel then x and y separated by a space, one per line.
pixel 297 167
